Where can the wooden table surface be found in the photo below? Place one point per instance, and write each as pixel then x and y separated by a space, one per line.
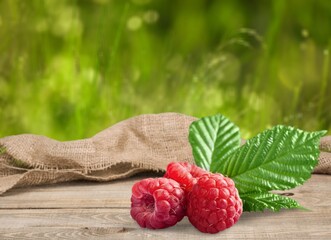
pixel 85 210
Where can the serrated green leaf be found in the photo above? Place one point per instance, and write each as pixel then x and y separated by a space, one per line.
pixel 276 159
pixel 254 202
pixel 213 139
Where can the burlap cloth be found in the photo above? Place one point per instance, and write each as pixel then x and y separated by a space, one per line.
pixel 146 142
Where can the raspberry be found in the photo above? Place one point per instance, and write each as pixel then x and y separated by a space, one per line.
pixel 184 173
pixel 157 203
pixel 214 204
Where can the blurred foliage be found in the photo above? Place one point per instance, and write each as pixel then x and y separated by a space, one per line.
pixel 69 69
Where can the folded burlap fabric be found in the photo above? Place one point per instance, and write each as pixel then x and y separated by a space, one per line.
pixel 324 161
pixel 146 142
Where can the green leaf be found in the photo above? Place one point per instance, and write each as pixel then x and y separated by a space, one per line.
pixel 262 200
pixel 276 159
pixel 213 139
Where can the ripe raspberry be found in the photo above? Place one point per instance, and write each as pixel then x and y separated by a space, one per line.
pixel 214 204
pixel 184 173
pixel 157 203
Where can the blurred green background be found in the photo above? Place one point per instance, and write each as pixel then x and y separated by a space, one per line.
pixel 69 69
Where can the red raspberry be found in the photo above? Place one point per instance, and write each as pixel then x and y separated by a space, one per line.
pixel 184 173
pixel 214 204
pixel 157 203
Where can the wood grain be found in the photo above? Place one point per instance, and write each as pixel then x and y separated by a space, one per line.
pixel 84 210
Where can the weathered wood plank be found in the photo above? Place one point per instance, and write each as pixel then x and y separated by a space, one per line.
pixel 81 194
pixel 84 210
pixel 117 224
pixel 313 194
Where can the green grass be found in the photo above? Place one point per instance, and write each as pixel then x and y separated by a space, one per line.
pixel 69 69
